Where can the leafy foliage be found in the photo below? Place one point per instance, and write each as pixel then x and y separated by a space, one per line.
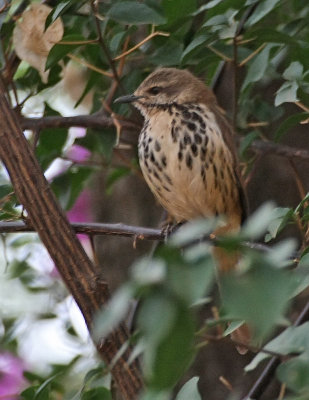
pixel 108 48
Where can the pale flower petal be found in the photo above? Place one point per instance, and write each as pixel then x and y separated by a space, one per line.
pixel 31 43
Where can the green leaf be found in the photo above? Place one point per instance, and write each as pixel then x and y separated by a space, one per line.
pixel 289 123
pixel 5 190
pixel 264 8
pixel 169 54
pixel 189 390
pixel 269 35
pixel 193 230
pixel 294 71
pixel 281 216
pixel 50 145
pixel 115 311
pixel 259 296
pixel 177 9
pixel 258 66
pixel 259 221
pixel 287 93
pixel 133 12
pixel 293 340
pixel 57 12
pixel 207 6
pixel 59 50
pixel 246 142
pixel 295 374
pixel 99 393
pixel 196 43
pixel 148 272
pixel 169 354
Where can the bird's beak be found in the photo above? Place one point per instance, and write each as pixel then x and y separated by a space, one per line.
pixel 130 98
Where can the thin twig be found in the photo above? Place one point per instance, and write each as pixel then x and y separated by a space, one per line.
pixel 149 37
pixel 250 56
pixel 104 46
pixel 266 376
pixel 90 66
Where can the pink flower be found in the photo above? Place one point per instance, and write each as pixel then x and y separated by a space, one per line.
pixel 11 376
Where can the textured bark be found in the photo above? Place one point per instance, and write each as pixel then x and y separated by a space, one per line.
pixel 83 279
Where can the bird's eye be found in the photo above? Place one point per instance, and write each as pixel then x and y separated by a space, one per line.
pixel 154 90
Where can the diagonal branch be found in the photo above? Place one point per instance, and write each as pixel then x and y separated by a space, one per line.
pixel 82 277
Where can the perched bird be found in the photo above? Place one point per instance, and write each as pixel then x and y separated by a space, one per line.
pixel 186 151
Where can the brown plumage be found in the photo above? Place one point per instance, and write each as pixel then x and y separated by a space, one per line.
pixel 186 151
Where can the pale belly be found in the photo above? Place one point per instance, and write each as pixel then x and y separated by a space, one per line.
pixel 186 165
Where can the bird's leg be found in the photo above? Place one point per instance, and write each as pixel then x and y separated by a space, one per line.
pixel 169 226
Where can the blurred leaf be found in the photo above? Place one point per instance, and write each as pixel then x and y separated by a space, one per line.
pixel 165 363
pixel 59 50
pixel 147 272
pixel 247 141
pixel 259 296
pixel 189 281
pixel 133 12
pixel 293 340
pixel 289 123
pixel 154 324
pixel 281 216
pixel 176 9
pixel 259 221
pixel 189 390
pixel 263 8
pixel 281 253
pixel 192 231
pixel 287 93
pixel 99 393
pixel 113 313
pixel 295 374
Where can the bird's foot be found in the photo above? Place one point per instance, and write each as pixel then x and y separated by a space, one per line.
pixel 169 228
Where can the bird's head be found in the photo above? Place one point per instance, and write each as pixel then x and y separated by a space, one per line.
pixel 166 86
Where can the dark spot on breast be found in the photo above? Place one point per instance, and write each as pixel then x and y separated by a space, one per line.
pixel 206 140
pixel 191 126
pixel 186 114
pixel 202 125
pixel 174 133
pixel 180 156
pixel 157 146
pixel 163 161
pixel 194 149
pixel 215 170
pixel 167 178
pixel 203 153
pixel 198 139
pixel 166 188
pixel 189 161
pixel 152 157
pixel 187 139
pixel 157 176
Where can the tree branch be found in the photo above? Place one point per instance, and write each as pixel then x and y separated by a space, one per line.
pixel 95 121
pixel 82 277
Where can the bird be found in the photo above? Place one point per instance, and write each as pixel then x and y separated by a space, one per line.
pixel 187 153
